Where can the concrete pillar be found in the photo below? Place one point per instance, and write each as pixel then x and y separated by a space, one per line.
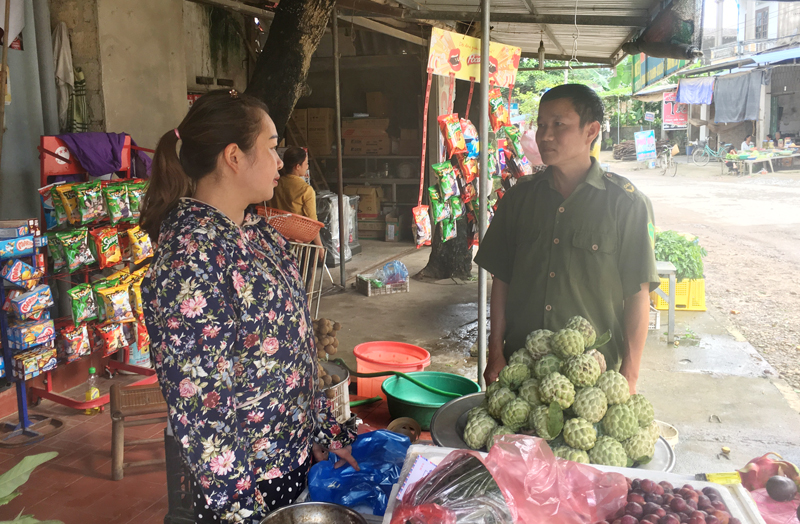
pixel 703 116
pixel 47 75
pixel 764 116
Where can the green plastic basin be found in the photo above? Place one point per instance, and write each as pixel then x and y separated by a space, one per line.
pixel 406 399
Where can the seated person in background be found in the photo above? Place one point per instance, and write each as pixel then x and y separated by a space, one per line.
pixel 747 145
pixel 733 166
pixel 293 193
pixel 777 141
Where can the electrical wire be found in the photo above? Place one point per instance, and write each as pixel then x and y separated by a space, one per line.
pixel 575 37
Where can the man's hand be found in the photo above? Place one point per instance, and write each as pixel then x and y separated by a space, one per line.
pixel 637 318
pixel 493 367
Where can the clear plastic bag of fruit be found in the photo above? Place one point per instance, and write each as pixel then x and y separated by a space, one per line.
pixel 532 483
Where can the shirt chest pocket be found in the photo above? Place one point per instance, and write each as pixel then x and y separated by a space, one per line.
pixel 593 255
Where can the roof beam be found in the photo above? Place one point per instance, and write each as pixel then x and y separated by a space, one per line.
pixel 552 37
pixel 239 7
pixel 385 29
pixel 586 59
pixel 585 20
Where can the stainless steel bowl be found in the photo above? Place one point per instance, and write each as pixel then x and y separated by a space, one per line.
pixel 314 513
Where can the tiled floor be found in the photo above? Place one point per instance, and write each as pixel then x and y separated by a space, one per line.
pixel 76 486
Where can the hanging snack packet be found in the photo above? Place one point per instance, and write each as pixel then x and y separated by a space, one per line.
pixel 69 199
pixel 422 226
pixel 125 246
pixel 91 204
pixel 50 215
pixel 136 297
pixel 112 337
pixel 452 134
pixel 448 229
pixel 498 112
pixel 440 211
pixel 117 304
pixel 117 202
pixel 456 207
pixel 56 251
pixel 82 304
pixel 120 275
pixel 106 246
pixel 447 179
pixel 469 168
pixel 76 248
pixel 73 343
pixel 141 247
pixel 515 140
pixel 98 298
pixel 142 336
pixel 470 138
pixel 470 193
pixel 58 206
pixel 136 193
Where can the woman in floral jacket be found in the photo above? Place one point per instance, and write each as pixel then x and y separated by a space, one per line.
pixel 227 315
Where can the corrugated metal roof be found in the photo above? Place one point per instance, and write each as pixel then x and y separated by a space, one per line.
pixel 777 56
pixel 599 42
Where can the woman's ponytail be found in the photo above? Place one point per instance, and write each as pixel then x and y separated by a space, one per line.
pixel 168 184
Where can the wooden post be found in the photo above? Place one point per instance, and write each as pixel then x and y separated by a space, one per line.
pixel 117 435
pixel 3 76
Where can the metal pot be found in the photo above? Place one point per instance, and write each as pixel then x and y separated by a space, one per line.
pixel 314 513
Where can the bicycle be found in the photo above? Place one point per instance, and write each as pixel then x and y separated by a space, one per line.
pixel 666 163
pixel 701 157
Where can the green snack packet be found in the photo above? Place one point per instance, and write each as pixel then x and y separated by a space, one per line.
pixel 98 298
pixel 513 136
pixel 56 251
pixel 136 193
pixel 82 303
pixel 448 229
pixel 447 179
pixel 117 202
pixel 456 207
pixel 76 248
pixel 440 210
pixel 91 205
pixel 58 206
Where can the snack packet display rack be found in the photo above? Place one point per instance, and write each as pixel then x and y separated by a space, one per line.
pixel 56 163
pixel 27 340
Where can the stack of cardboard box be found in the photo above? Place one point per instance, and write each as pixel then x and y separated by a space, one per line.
pixel 321 134
pixel 366 137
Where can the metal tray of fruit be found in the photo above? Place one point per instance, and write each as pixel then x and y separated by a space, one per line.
pixel 449 421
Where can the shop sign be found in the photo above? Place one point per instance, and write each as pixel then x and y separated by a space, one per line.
pixel 649 116
pixel 648 70
pixel 459 55
pixel 676 116
pixel 645 145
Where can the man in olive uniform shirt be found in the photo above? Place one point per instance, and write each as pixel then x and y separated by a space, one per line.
pixel 573 240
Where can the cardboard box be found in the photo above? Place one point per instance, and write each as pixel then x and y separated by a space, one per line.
pixel 378 104
pixel 371 228
pixel 369 203
pixel 364 127
pixel 409 134
pixel 300 118
pixel 320 118
pixel 34 362
pixel 320 134
pixel 367 146
pixel 392 228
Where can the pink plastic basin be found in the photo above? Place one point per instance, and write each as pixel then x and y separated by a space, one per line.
pixel 374 357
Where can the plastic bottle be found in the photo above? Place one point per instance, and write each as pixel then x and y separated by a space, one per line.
pixel 92 391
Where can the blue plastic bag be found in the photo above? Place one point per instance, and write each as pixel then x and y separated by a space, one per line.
pixel 395 272
pixel 380 455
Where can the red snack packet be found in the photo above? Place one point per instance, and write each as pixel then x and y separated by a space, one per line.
pixel 112 337
pixel 468 167
pixel 106 244
pixel 498 112
pixel 453 136
pixel 422 226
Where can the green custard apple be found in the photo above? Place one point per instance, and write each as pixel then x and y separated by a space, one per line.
pixel 583 371
pixel 615 386
pixel 529 392
pixel 583 326
pixel 642 408
pixel 513 375
pixel 608 452
pixel 546 365
pixel 538 419
pixel 498 431
pixel 571 454
pixel 555 387
pixel 538 343
pixel 567 343
pixel 522 356
pixel 620 423
pixel 640 448
pixel 500 398
pixel 579 433
pixel 478 430
pixel 591 404
pixel 514 415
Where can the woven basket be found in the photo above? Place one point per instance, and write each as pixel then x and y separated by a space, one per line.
pixel 293 227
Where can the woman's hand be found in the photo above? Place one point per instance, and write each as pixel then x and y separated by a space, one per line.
pixel 345 455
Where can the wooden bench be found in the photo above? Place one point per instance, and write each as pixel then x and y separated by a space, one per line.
pixel 133 402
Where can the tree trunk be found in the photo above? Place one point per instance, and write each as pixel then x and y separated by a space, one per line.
pixel 451 259
pixel 282 67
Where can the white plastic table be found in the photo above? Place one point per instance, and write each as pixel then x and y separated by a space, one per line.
pixel 667 269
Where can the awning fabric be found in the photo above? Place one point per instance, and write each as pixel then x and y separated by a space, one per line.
pixel 696 90
pixel 736 97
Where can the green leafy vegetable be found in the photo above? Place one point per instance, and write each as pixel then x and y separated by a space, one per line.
pixel 684 253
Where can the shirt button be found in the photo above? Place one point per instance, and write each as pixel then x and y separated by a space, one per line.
pixel 595 248
pixel 561 209
pixel 552 274
pixel 555 241
pixel 548 307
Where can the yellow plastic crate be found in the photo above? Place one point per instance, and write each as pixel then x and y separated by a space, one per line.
pixel 690 295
